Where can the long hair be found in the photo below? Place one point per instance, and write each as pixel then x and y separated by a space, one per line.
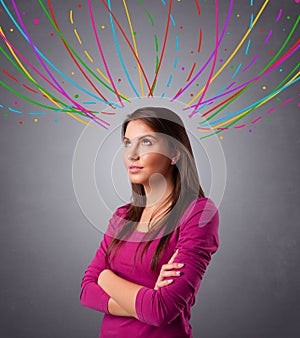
pixel 185 178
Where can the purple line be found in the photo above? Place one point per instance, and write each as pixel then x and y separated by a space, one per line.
pixel 287 101
pixel 101 52
pixel 275 65
pixel 279 15
pixel 211 56
pixel 47 70
pixel 250 64
pixel 214 62
pixel 268 37
pixel 232 83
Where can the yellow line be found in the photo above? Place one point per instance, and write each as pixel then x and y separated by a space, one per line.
pixel 134 46
pixel 26 72
pixel 88 56
pixel 233 54
pixel 77 36
pixel 261 103
pixel 104 77
pixel 71 17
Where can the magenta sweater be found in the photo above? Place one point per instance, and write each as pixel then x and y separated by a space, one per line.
pixel 164 313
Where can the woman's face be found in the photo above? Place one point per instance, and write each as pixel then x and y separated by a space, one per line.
pixel 146 153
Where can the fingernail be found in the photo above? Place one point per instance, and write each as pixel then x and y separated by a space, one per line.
pixel 170 280
pixel 180 265
pixel 180 273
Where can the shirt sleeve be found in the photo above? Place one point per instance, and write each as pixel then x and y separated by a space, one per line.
pixel 92 295
pixel 198 240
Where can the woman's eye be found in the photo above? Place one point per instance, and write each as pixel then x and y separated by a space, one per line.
pixel 146 142
pixel 126 143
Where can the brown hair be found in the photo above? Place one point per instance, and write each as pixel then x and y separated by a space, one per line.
pixel 185 178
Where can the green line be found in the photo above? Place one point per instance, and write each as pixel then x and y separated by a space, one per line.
pixel 156 66
pixel 250 84
pixel 32 81
pixel 150 18
pixel 293 71
pixel 156 43
pixel 75 54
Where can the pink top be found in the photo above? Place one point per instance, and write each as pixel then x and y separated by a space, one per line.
pixel 165 312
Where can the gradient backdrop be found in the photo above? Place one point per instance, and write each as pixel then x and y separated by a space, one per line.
pixel 230 69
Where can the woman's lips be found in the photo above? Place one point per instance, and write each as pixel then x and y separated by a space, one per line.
pixel 134 169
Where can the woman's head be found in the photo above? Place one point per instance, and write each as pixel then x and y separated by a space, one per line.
pixel 156 141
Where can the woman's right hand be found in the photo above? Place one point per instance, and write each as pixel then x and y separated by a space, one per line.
pixel 168 270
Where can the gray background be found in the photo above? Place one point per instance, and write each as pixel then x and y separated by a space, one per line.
pixel 251 288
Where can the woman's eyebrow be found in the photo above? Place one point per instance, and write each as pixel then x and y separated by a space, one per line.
pixel 143 136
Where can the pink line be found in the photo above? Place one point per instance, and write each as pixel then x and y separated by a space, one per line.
pixel 268 37
pixel 241 126
pixel 214 62
pixel 101 52
pixel 257 119
pixel 209 59
pixel 287 101
pixel 279 15
pixel 272 109
pixel 48 71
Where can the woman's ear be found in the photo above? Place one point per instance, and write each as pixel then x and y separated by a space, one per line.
pixel 175 157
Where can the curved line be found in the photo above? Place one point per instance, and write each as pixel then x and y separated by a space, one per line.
pixel 163 49
pixel 200 40
pixel 71 51
pixel 198 7
pixel 101 52
pixel 234 52
pixel 49 73
pixel 44 57
pixel 211 56
pixel 214 62
pixel 129 44
pixel 134 46
pixel 119 52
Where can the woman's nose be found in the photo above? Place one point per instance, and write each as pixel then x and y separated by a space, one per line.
pixel 133 154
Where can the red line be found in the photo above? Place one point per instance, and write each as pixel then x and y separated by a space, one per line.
pixel 32 90
pixel 163 49
pixel 220 104
pixel 73 58
pixel 198 7
pixel 200 40
pixel 129 44
pixel 8 74
pixel 191 72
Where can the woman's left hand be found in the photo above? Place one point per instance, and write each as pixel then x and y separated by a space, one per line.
pixel 167 270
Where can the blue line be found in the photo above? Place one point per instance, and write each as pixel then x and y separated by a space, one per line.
pixel 255 103
pixel 172 19
pixel 162 95
pixel 51 64
pixel 238 68
pixel 1 106
pixel 14 110
pixel 251 2
pixel 175 62
pixel 176 41
pixel 251 20
pixel 170 79
pixel 119 52
pixel 248 46
pixel 36 113
pixel 163 1
pixel 201 107
pixel 87 102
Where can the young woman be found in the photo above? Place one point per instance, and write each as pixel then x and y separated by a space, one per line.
pixel 148 268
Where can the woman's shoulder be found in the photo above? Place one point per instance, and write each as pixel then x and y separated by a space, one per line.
pixel 200 210
pixel 117 220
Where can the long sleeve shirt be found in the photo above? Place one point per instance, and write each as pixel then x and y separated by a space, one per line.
pixel 164 312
